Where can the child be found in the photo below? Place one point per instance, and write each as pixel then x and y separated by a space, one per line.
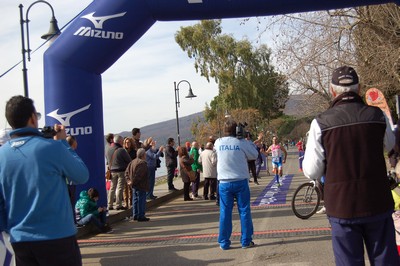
pixel 87 210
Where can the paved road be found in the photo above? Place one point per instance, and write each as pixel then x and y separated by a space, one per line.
pixel 185 233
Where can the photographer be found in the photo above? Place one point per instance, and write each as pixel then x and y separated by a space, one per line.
pixel 233 152
pixel 34 203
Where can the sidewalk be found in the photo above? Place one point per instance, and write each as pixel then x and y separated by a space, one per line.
pixel 160 190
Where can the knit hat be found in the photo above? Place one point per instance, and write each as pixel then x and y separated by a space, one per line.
pixel 344 76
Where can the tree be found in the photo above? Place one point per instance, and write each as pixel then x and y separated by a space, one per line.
pixel 310 45
pixel 244 74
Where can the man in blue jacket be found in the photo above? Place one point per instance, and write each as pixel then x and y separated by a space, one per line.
pixel 34 203
pixel 233 176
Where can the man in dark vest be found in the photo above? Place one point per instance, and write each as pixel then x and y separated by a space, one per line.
pixel 345 144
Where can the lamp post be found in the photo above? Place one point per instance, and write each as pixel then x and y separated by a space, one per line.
pixel 190 95
pixel 54 30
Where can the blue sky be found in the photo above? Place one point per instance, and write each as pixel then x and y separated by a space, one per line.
pixel 138 90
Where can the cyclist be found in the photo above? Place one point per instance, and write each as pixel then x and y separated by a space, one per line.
pixel 277 152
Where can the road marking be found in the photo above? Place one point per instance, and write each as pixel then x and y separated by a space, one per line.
pixel 272 194
pixel 206 237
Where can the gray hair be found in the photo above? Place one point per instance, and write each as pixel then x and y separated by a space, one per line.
pixel 140 153
pixel 118 138
pixel 342 89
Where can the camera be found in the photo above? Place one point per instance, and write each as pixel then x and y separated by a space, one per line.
pixel 240 133
pixel 48 132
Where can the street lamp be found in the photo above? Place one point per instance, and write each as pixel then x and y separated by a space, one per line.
pixel 190 95
pixel 53 31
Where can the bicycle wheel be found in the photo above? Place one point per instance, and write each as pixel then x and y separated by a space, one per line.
pixel 306 200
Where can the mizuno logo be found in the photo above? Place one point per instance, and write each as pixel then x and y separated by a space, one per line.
pixel 64 119
pixel 98 21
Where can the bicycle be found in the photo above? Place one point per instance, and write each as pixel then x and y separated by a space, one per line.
pixel 306 199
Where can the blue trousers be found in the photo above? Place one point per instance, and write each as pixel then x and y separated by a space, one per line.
pixel 138 203
pixel 152 181
pixel 348 241
pixel 91 218
pixel 227 193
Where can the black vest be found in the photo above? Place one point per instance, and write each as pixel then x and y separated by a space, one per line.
pixel 356 183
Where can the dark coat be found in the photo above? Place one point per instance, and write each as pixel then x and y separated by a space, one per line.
pixel 187 166
pixel 136 175
pixel 171 157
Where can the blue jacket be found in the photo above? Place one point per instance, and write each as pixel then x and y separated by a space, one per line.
pixel 34 201
pixel 233 155
pixel 152 156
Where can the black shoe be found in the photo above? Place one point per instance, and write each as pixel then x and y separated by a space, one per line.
pixel 106 229
pixel 153 197
pixel 188 199
pixel 111 208
pixel 206 198
pixel 121 208
pixel 213 198
pixel 172 189
pixel 256 182
pixel 143 219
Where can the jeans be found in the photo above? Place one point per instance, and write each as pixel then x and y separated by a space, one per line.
pixel 195 185
pixel 138 203
pixel 91 218
pixel 301 157
pixel 152 181
pixel 227 193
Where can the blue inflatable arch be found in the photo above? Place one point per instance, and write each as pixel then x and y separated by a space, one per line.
pixel 103 33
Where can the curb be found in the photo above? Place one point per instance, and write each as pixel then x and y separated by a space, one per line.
pixel 117 216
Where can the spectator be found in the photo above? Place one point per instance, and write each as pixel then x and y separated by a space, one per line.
pixel 188 145
pixel 196 167
pixel 171 163
pixel 35 168
pixel 109 142
pixel 129 146
pixel 88 212
pixel 252 163
pixel 136 134
pixel 208 160
pixel 152 155
pixel 119 160
pixel 137 177
pixel 185 162
pixel 345 144
pixel 233 174
pixel 300 148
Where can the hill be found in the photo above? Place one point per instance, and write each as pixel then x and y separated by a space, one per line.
pixel 163 130
pixel 297 106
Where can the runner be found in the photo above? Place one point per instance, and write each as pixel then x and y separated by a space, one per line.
pixel 277 161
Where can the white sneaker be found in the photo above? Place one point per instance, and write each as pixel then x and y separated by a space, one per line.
pixel 321 211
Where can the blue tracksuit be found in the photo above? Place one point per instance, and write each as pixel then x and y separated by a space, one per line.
pixel 34 201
